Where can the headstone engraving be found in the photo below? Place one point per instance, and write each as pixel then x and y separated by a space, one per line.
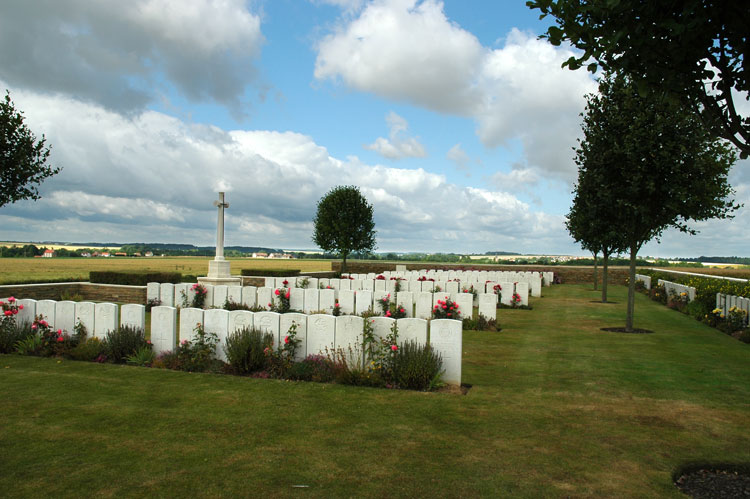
pixel 297 299
pixel 153 291
pixel 265 298
pixel 85 315
pixel 321 333
pixel 221 292
pixel 405 299
pixel 348 338
pixel 268 322
pixel 216 320
pixel 28 313
pixel 46 309
pixel 65 316
pixel 234 294
pixel 312 303
pixel 133 315
pixel 240 319
pixel 106 317
pixel 488 305
pixel 346 301
pixel 285 323
pixel 363 301
pixel 249 296
pixel 446 338
pixel 327 299
pixel 189 319
pixel 166 294
pixel 181 297
pixel 412 330
pixel 423 305
pixel 163 328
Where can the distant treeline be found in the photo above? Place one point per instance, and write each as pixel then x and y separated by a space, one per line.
pixel 734 260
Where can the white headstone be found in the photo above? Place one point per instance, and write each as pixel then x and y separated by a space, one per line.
pixel 265 297
pixel 465 302
pixel 249 296
pixel 327 299
pixel 345 285
pixel 297 299
pixel 285 322
pixel 346 301
pixel 348 339
pixel 488 305
pixel 181 296
pixel 46 309
pixel 313 284
pixel 106 318
pixel 439 297
pixel 522 288
pixel 85 315
pixel 240 319
pixel 379 285
pixel 153 291
pixel 405 299
pixel 234 294
pixel 335 283
pixel 268 322
pixel 321 333
pixel 368 284
pixel 446 338
pixel 535 284
pixel 189 319
pixel 216 320
pixel 363 301
pixel 220 295
pixel 166 294
pixel 451 287
pixel 270 282
pixel 423 305
pixel 324 283
pixel 381 326
pixel 209 301
pixel 133 315
pixel 28 312
pixel 506 293
pixel 65 316
pixel 163 329
pixel 312 303
pixel 356 284
pixel 412 330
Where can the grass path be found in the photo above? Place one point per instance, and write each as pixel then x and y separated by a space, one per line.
pixel 557 408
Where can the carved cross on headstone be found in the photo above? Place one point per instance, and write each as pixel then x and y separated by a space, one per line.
pixel 220 227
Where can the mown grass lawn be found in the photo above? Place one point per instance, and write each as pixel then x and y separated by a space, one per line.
pixel 557 407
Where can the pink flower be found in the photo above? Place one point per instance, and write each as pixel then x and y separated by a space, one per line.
pixel 20 307
pixel 388 313
pixel 184 342
pixel 11 299
pixel 60 339
pixel 286 339
pixel 401 310
pixel 445 307
pixel 8 312
pixel 59 332
pixel 336 305
pixel 449 314
pixel 269 305
pixel 33 326
pixel 277 292
pixel 43 323
pixel 287 294
pixel 285 282
pixel 148 342
pixel 394 348
pixel 436 307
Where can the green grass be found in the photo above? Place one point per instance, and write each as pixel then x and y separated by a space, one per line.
pixel 15 270
pixel 557 408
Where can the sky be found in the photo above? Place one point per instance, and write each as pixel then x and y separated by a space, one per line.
pixel 453 118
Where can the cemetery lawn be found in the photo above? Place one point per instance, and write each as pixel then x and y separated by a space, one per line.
pixel 19 270
pixel 557 408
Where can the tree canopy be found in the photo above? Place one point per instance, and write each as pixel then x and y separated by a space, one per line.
pixel 653 165
pixel 344 223
pixel 23 158
pixel 693 49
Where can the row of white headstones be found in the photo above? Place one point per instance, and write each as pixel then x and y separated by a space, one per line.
pixel 318 334
pixel 416 304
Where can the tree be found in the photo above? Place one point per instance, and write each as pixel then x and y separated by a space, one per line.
pixel 588 219
pixel 694 49
pixel 23 158
pixel 654 166
pixel 343 223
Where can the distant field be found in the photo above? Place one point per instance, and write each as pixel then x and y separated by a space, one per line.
pixel 61 246
pixel 741 273
pixel 14 270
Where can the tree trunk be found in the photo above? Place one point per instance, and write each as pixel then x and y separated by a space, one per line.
pixel 631 290
pixel 596 279
pixel 605 266
pixel 343 262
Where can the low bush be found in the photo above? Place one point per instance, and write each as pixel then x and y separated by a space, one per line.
pixel 233 305
pixel 270 272
pixel 481 323
pixel 245 350
pixel 124 342
pixel 133 278
pixel 144 357
pixel 199 354
pixel 11 333
pixel 93 349
pixel 417 367
pixel 317 368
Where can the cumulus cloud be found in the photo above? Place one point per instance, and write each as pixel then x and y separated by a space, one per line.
pixel 123 54
pixel 408 50
pixel 151 177
pixel 397 146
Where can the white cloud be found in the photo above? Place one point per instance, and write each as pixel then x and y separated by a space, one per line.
pixel 124 54
pixel 408 50
pixel 150 177
pixel 397 146
pixel 457 155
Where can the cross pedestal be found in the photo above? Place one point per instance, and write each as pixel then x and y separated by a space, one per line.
pixel 219 269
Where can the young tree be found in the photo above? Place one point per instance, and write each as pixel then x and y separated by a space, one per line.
pixel 677 47
pixel 23 158
pixel 653 165
pixel 344 223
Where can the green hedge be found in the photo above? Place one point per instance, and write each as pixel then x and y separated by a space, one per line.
pixel 134 278
pixel 271 272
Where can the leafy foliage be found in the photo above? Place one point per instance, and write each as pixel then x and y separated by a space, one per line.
pixel 124 342
pixel 653 162
pixel 344 223
pixel 23 158
pixel 417 367
pixel 668 46
pixel 245 350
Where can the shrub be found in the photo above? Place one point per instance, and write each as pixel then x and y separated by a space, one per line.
pixel 153 302
pixel 481 323
pixel 417 367
pixel 89 350
pixel 199 298
pixel 280 302
pixel 313 368
pixel 124 342
pixel 233 305
pixel 144 356
pixel 281 359
pixel 167 360
pixel 10 332
pixel 200 353
pixel 271 272
pixel 133 278
pixel 245 350
pixel 446 310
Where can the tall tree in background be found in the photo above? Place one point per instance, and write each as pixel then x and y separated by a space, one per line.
pixel 344 223
pixel 23 158
pixel 652 163
pixel 693 49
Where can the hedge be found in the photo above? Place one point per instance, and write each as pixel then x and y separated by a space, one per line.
pixel 133 278
pixel 705 287
pixel 271 272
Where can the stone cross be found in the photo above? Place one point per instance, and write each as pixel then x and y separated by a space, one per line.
pixel 220 227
